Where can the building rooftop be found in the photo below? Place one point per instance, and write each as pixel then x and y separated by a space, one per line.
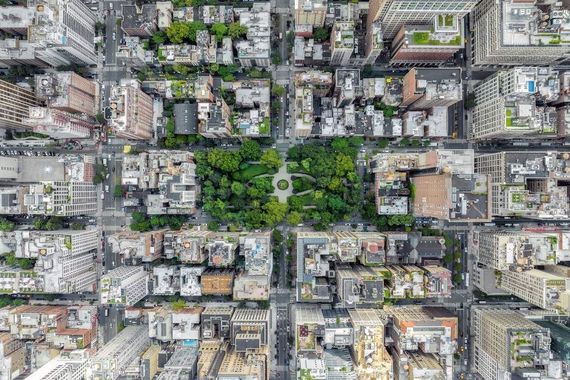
pixel 185 118
pixel 526 23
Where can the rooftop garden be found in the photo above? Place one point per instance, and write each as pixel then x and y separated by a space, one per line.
pixel 424 38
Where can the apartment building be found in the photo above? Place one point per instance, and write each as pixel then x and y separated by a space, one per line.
pixel 393 14
pixel 510 32
pixel 58 124
pixel 137 247
pixel 342 43
pixel 69 92
pixel 428 45
pixel 528 184
pixel 249 329
pixel 548 289
pixel 59 33
pixel 513 103
pixel 310 12
pixel 512 250
pixel 169 326
pixel 12 356
pixel 427 88
pixel 61 198
pixel 64 259
pixel 172 173
pixel 67 365
pixel 15 103
pixel 255 50
pixel 165 280
pixel 214 119
pixel 371 360
pixel 507 343
pixel 124 285
pixel 130 111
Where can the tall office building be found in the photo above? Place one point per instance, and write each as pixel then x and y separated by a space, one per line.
pixel 58 124
pixel 118 354
pixel 61 198
pixel 393 14
pixel 68 91
pixel 15 103
pixel 310 12
pixel 513 32
pixel 130 111
pixel 124 286
pixel 59 32
pixel 511 104
pixel 507 345
pixel 342 43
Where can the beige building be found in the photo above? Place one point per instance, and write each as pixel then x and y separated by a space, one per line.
pixel 372 361
pixel 15 103
pixel 310 12
pixel 130 112
pixel 543 288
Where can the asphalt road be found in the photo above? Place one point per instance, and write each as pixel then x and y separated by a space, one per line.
pixel 110 324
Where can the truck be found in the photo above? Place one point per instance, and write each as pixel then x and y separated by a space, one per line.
pixel 106 188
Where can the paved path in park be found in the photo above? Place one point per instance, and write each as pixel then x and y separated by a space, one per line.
pixel 282 174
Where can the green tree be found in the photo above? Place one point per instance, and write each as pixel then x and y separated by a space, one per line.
pixel 227 161
pixel 274 212
pixel 178 305
pixel 213 226
pixel 118 191
pixel 236 30
pixel 383 143
pixel 278 90
pixel 6 225
pixel 321 34
pixel 294 218
pixel 180 69
pixel 100 118
pixel 159 38
pixel 77 226
pixel 220 30
pixel 250 150
pixel 271 159
pixel 193 28
pixel 178 31
pixel 238 188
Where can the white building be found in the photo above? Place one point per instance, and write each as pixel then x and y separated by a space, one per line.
pixel 255 50
pixel 68 365
pixel 124 286
pixel 115 357
pixel 61 198
pixel 58 124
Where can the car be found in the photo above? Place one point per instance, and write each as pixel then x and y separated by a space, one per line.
pixel 114 35
pixel 110 5
pixel 106 312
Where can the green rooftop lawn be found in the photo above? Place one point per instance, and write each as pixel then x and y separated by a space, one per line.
pixel 423 38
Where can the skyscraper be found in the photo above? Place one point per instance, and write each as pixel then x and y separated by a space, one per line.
pixel 59 32
pixel 510 32
pixel 15 103
pixel 61 198
pixel 68 91
pixel 130 112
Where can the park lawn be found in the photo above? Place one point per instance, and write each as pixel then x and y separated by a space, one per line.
pixel 254 171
